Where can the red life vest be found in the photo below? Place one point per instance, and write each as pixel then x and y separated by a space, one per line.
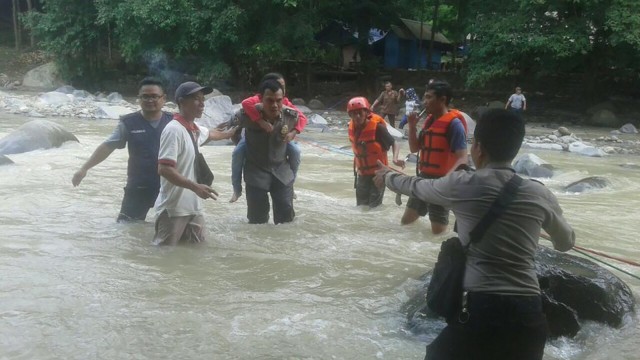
pixel 365 148
pixel 436 158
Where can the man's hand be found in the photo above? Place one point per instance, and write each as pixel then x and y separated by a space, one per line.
pixel 290 136
pixel 265 125
pixel 378 179
pixel 400 163
pixel 78 176
pixel 205 192
pixel 412 119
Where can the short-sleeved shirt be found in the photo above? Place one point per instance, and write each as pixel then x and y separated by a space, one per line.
pixel 517 101
pixel 119 137
pixel 457 136
pixel 384 137
pixel 176 148
pixel 389 101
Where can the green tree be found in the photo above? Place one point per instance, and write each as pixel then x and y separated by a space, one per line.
pixel 68 30
pixel 534 37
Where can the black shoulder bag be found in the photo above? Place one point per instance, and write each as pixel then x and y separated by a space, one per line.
pixel 202 170
pixel 444 293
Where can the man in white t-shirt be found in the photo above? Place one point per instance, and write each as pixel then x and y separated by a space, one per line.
pixel 517 102
pixel 179 205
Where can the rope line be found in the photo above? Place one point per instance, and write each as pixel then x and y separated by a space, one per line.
pixel 605 263
pixel 576 247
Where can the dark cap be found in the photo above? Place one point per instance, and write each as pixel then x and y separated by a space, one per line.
pixel 187 88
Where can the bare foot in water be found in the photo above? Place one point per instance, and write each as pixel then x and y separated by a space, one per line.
pixel 235 197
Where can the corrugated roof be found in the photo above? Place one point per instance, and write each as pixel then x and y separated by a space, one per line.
pixel 413 31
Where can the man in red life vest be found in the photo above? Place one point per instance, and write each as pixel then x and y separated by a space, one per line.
pixel 442 147
pixel 370 141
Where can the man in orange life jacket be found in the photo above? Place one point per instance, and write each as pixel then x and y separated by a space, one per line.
pixel 370 141
pixel 442 147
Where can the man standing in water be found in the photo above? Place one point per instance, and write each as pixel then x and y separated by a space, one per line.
pixel 389 99
pixel 140 132
pixel 179 205
pixel 442 147
pixel 504 318
pixel 266 169
pixel 370 141
pixel 517 102
pixel 250 109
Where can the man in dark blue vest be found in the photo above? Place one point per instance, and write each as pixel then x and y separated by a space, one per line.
pixel 141 132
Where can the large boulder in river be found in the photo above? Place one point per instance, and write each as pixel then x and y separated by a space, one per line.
pixel 5 160
pixel 588 183
pixel 34 135
pixel 217 110
pixel 628 129
pixel 44 76
pixel 532 165
pixel 574 290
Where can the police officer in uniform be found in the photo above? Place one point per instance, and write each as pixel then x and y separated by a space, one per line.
pixel 267 168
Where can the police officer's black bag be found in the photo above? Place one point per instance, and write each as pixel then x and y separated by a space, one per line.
pixel 444 293
pixel 203 172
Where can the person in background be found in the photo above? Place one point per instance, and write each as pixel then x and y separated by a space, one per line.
pixel 140 133
pixel 370 141
pixel 504 318
pixel 389 99
pixel 179 205
pixel 517 102
pixel 441 147
pixel 267 169
pixel 412 104
pixel 293 151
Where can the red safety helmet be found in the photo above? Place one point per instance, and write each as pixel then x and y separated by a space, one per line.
pixel 358 103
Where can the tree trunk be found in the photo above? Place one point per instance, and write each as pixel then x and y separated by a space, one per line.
pixel 31 38
pixel 16 25
pixel 434 27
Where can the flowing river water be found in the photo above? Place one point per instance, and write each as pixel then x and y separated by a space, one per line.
pixel 330 285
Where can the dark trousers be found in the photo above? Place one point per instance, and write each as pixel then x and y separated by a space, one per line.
pixel 136 204
pixel 500 327
pixel 366 191
pixel 258 203
pixel 392 119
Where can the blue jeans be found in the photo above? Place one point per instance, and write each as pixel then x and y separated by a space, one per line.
pixel 239 154
pixel 403 122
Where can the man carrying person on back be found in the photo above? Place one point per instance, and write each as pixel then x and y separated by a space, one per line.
pixel 293 151
pixel 442 147
pixel 267 169
pixel 503 318
pixel 140 132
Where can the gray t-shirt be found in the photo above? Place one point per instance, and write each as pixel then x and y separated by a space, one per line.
pixel 517 101
pixel 503 261
pixel 119 137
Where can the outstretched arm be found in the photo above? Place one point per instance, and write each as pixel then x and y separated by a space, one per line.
pixel 99 155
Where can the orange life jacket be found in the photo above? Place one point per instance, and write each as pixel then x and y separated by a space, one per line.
pixel 365 148
pixel 436 158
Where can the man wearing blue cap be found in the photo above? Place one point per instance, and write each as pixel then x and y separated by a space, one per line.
pixel 179 205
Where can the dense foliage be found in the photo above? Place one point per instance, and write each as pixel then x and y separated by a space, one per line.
pixel 241 39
